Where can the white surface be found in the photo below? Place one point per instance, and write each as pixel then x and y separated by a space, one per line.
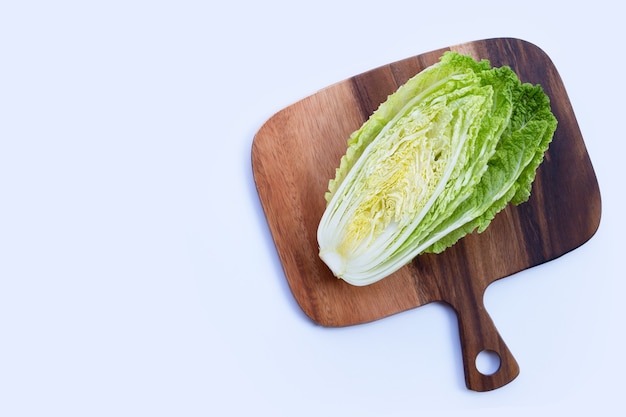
pixel 137 273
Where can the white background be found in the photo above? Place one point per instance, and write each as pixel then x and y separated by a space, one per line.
pixel 137 273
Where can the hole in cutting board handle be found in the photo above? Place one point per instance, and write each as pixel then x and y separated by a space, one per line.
pixel 488 362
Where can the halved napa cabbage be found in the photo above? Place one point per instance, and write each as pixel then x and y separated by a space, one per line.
pixel 436 161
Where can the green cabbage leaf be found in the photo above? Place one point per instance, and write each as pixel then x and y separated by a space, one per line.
pixel 437 160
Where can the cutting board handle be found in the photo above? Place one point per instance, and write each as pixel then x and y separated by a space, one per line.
pixel 478 334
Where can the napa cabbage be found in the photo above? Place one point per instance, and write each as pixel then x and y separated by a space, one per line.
pixel 436 161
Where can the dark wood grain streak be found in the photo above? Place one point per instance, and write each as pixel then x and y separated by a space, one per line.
pixel 296 152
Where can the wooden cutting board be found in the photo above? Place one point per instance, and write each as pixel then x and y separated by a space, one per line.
pixel 297 150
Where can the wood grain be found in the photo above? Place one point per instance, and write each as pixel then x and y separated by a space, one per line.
pixel 297 150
